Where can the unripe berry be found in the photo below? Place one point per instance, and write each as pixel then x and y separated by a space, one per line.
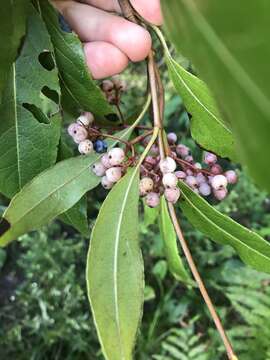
pixel 219 182
pixel 119 83
pixel 204 189
pixel 80 135
pixel 86 147
pixel 182 150
pixel 170 180
pixel 167 165
pixel 99 169
pixel 216 169
pixel 200 178
pixel 107 85
pixel 114 174
pixel 198 166
pixel 191 181
pixel 152 199
pixel 146 185
pixel 172 138
pixel 220 194
pixel 86 119
pixel 106 183
pixel 172 194
pixel 106 161
pixel 116 156
pixel 72 129
pixel 231 176
pixel 209 158
pixel 181 175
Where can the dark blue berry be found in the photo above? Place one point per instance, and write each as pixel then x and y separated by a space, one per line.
pixel 100 146
pixel 63 24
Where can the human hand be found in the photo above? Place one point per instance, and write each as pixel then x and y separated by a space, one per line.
pixel 110 41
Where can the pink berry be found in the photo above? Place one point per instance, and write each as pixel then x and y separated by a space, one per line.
pixel 172 194
pixel 189 172
pixel 182 150
pixel 114 174
pixel 99 169
pixel 219 182
pixel 191 181
pixel 116 156
pixel 167 165
pixel 216 169
pixel 204 189
pixel 80 135
pixel 106 183
pixel 152 199
pixel 221 194
pixel 200 178
pixel 172 138
pixel 231 176
pixel 106 161
pixel 189 159
pixel 85 119
pixel 146 185
pixel 86 147
pixel 170 180
pixel 181 175
pixel 209 158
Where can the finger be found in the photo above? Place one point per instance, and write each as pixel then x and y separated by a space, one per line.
pixel 109 5
pixel 104 59
pixel 150 10
pixel 92 24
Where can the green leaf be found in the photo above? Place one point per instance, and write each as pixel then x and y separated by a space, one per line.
pixel 70 58
pixel 251 248
pixel 228 43
pixel 150 215
pixel 115 270
pixel 207 127
pixel 12 29
pixel 52 193
pixel 29 128
pixel 175 263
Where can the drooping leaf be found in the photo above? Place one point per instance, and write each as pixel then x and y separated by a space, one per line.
pixel 115 270
pixel 77 82
pixel 207 127
pixel 174 260
pixel 228 44
pixel 252 248
pixel 12 29
pixel 29 126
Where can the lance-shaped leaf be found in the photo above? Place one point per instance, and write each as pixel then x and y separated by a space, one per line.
pixel 12 28
pixel 174 260
pixel 228 44
pixel 29 130
pixel 80 88
pixel 115 270
pixel 251 247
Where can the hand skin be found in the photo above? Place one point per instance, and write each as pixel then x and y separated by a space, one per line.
pixel 110 41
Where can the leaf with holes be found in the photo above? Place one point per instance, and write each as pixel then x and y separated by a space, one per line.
pixel 12 29
pixel 175 263
pixel 251 247
pixel 78 85
pixel 29 126
pixel 232 56
pixel 115 270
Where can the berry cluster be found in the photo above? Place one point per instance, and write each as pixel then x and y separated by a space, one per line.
pixel 113 89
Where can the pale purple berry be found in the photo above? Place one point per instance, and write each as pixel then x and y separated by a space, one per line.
pixel 231 176
pixel 182 150
pixel 191 181
pixel 170 180
pixel 219 182
pixel 181 175
pixel 72 129
pixel 106 183
pixel 86 147
pixel 106 161
pixel 172 138
pixel 200 178
pixel 80 134
pixel 221 194
pixel 204 189
pixel 189 172
pixel 146 185
pixel 116 156
pixel 86 119
pixel 172 194
pixel 152 199
pixel 189 159
pixel 209 158
pixel 216 169
pixel 114 174
pixel 167 165
pixel 99 169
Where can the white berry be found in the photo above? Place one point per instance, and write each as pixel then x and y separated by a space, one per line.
pixel 80 135
pixel 204 189
pixel 167 165
pixel 146 185
pixel 86 147
pixel 86 119
pixel 72 129
pixel 114 174
pixel 99 169
pixel 191 181
pixel 231 176
pixel 116 156
pixel 219 182
pixel 172 194
pixel 106 161
pixel 106 183
pixel 152 199
pixel 170 180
